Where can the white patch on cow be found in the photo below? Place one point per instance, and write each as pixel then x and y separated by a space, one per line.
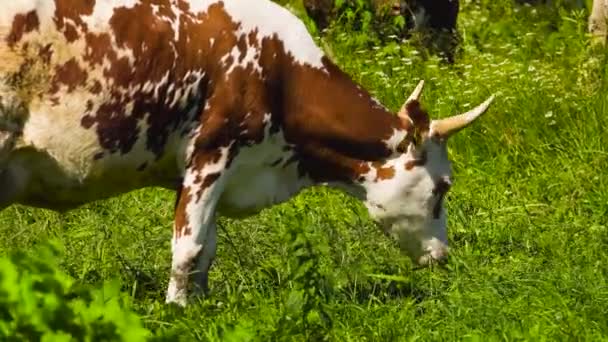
pixel 176 22
pixel 158 86
pixel 44 9
pixel 170 89
pixel 177 96
pixel 148 87
pixel 10 8
pixel 184 251
pixel 270 19
pixel 274 183
pixel 99 20
pixel 395 139
pixel 54 129
pixel 199 6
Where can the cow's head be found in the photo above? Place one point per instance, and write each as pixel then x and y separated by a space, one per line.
pixel 409 205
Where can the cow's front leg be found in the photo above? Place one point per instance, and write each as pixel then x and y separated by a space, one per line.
pixel 194 234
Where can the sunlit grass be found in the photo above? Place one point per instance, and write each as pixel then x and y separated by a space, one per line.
pixel 528 227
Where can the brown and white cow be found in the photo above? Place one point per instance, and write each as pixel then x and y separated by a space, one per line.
pixel 229 102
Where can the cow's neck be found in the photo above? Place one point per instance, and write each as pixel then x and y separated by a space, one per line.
pixel 341 132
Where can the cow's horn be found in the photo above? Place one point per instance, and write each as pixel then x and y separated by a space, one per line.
pixel 448 126
pixel 415 96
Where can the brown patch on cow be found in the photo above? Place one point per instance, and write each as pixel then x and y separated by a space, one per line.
pixel 69 74
pixel 149 38
pixel 210 179
pixel 419 117
pixel 178 193
pixel 419 161
pixel 73 12
pixel 45 53
pixel 98 48
pixel 95 88
pixel 87 121
pixel 253 39
pixel 121 72
pixel 184 6
pixel 322 164
pixel 334 125
pixel 165 9
pixel 115 134
pixel 203 156
pixel 181 216
pixel 22 24
pixel 383 172
pixel 242 46
pixel 71 33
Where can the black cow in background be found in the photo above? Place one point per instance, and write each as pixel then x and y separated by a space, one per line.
pixel 435 20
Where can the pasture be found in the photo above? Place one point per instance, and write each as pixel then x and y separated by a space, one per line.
pixel 528 227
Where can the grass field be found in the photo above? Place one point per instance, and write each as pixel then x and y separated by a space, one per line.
pixel 528 214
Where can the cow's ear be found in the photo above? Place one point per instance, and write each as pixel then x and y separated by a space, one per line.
pixel 418 116
pixel 414 96
pixel 412 113
pixel 413 138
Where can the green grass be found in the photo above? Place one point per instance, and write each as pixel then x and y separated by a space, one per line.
pixel 527 215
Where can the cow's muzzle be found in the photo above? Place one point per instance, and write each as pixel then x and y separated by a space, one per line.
pixel 436 256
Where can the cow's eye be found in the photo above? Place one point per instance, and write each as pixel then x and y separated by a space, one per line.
pixel 441 188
